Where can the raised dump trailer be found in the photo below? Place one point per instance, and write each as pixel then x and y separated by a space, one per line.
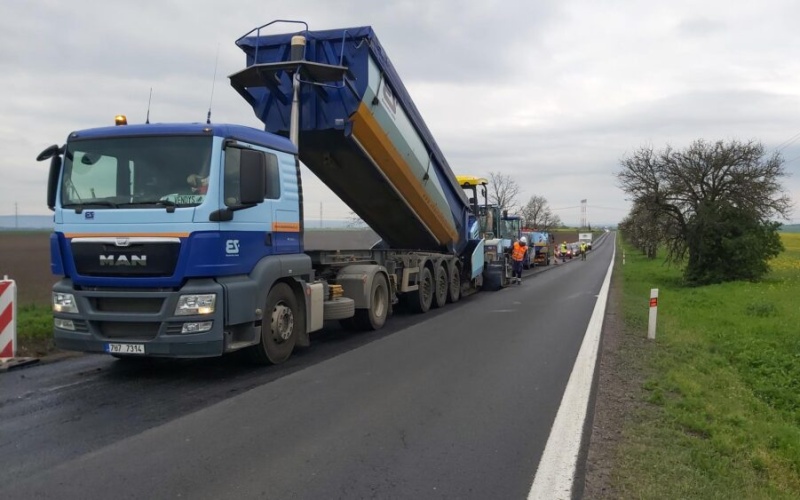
pixel 187 239
pixel 359 132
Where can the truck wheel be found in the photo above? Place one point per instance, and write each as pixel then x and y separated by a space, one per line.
pixel 421 298
pixel 278 328
pixel 374 317
pixel 454 293
pixel 442 285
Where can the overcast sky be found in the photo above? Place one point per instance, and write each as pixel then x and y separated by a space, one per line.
pixel 553 93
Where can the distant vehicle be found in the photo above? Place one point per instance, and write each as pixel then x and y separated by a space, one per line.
pixel 585 238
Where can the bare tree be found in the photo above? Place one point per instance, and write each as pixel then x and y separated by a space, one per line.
pixel 711 202
pixel 538 215
pixel 503 191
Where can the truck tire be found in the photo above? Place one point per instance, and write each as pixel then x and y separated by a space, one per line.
pixel 420 299
pixel 374 317
pixel 454 292
pixel 341 308
pixel 278 327
pixel 442 286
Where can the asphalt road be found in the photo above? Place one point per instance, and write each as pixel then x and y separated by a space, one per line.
pixel 457 403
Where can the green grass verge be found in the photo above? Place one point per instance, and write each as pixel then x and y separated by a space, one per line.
pixel 34 322
pixel 721 417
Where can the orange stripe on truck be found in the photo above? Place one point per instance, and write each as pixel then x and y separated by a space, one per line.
pixel 126 235
pixel 369 133
pixel 286 227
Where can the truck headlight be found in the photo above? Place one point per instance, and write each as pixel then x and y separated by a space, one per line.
pixel 189 305
pixel 64 303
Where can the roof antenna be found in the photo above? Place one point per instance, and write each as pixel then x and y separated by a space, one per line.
pixel 148 105
pixel 208 117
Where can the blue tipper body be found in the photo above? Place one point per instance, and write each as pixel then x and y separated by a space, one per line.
pixel 360 132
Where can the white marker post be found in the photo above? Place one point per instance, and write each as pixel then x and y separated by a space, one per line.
pixel 651 325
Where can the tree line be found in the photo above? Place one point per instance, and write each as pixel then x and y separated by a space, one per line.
pixel 712 207
pixel 536 213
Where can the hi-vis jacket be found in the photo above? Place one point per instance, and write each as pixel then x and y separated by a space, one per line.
pixel 518 253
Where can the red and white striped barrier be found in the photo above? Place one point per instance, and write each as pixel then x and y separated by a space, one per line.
pixel 8 319
pixel 8 328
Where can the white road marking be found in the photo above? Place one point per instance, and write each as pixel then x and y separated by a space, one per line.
pixel 556 472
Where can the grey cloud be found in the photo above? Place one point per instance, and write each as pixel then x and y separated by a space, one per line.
pixel 700 27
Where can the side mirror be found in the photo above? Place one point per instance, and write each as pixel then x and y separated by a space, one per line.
pixel 52 181
pixel 49 153
pixel 252 177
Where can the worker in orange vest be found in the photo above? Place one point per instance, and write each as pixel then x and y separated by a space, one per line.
pixel 517 256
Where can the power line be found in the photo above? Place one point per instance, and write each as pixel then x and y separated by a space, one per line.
pixel 788 142
pixel 793 159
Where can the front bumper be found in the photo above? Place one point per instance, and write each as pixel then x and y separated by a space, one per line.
pixel 147 317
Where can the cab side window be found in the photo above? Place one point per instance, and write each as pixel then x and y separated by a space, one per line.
pixel 231 178
pixel 273 187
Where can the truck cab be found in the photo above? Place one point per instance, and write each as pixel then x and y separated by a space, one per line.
pixel 162 233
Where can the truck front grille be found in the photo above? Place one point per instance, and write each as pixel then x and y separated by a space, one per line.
pixel 145 305
pixel 119 330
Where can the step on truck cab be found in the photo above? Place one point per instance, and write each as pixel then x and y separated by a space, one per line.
pixel 186 239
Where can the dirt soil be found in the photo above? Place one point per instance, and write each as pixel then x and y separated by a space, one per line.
pixel 25 258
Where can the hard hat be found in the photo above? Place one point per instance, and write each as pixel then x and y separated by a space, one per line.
pixel 523 240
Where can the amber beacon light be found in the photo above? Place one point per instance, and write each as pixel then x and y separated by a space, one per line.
pixel 120 120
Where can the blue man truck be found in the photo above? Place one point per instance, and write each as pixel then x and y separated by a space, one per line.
pixel 186 239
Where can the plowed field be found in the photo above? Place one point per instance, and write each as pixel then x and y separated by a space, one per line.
pixel 25 258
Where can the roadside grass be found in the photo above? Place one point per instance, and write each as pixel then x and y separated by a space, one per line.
pixel 35 331
pixel 34 322
pixel 721 385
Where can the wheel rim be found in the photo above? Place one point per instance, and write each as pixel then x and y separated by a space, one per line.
pixel 455 280
pixel 441 284
pixel 379 299
pixel 282 323
pixel 427 288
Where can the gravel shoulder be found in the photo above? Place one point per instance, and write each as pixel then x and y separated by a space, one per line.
pixel 619 395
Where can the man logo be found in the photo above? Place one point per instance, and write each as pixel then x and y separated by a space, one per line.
pixel 123 260
pixel 232 247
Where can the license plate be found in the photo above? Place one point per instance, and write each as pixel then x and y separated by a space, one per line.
pixel 125 348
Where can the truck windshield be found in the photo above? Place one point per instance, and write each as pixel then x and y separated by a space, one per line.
pixel 127 172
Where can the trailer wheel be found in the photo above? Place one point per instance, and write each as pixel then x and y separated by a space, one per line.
pixel 278 330
pixel 421 298
pixel 442 286
pixel 454 293
pixel 374 317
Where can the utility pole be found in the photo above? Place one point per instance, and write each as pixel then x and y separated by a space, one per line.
pixel 583 214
